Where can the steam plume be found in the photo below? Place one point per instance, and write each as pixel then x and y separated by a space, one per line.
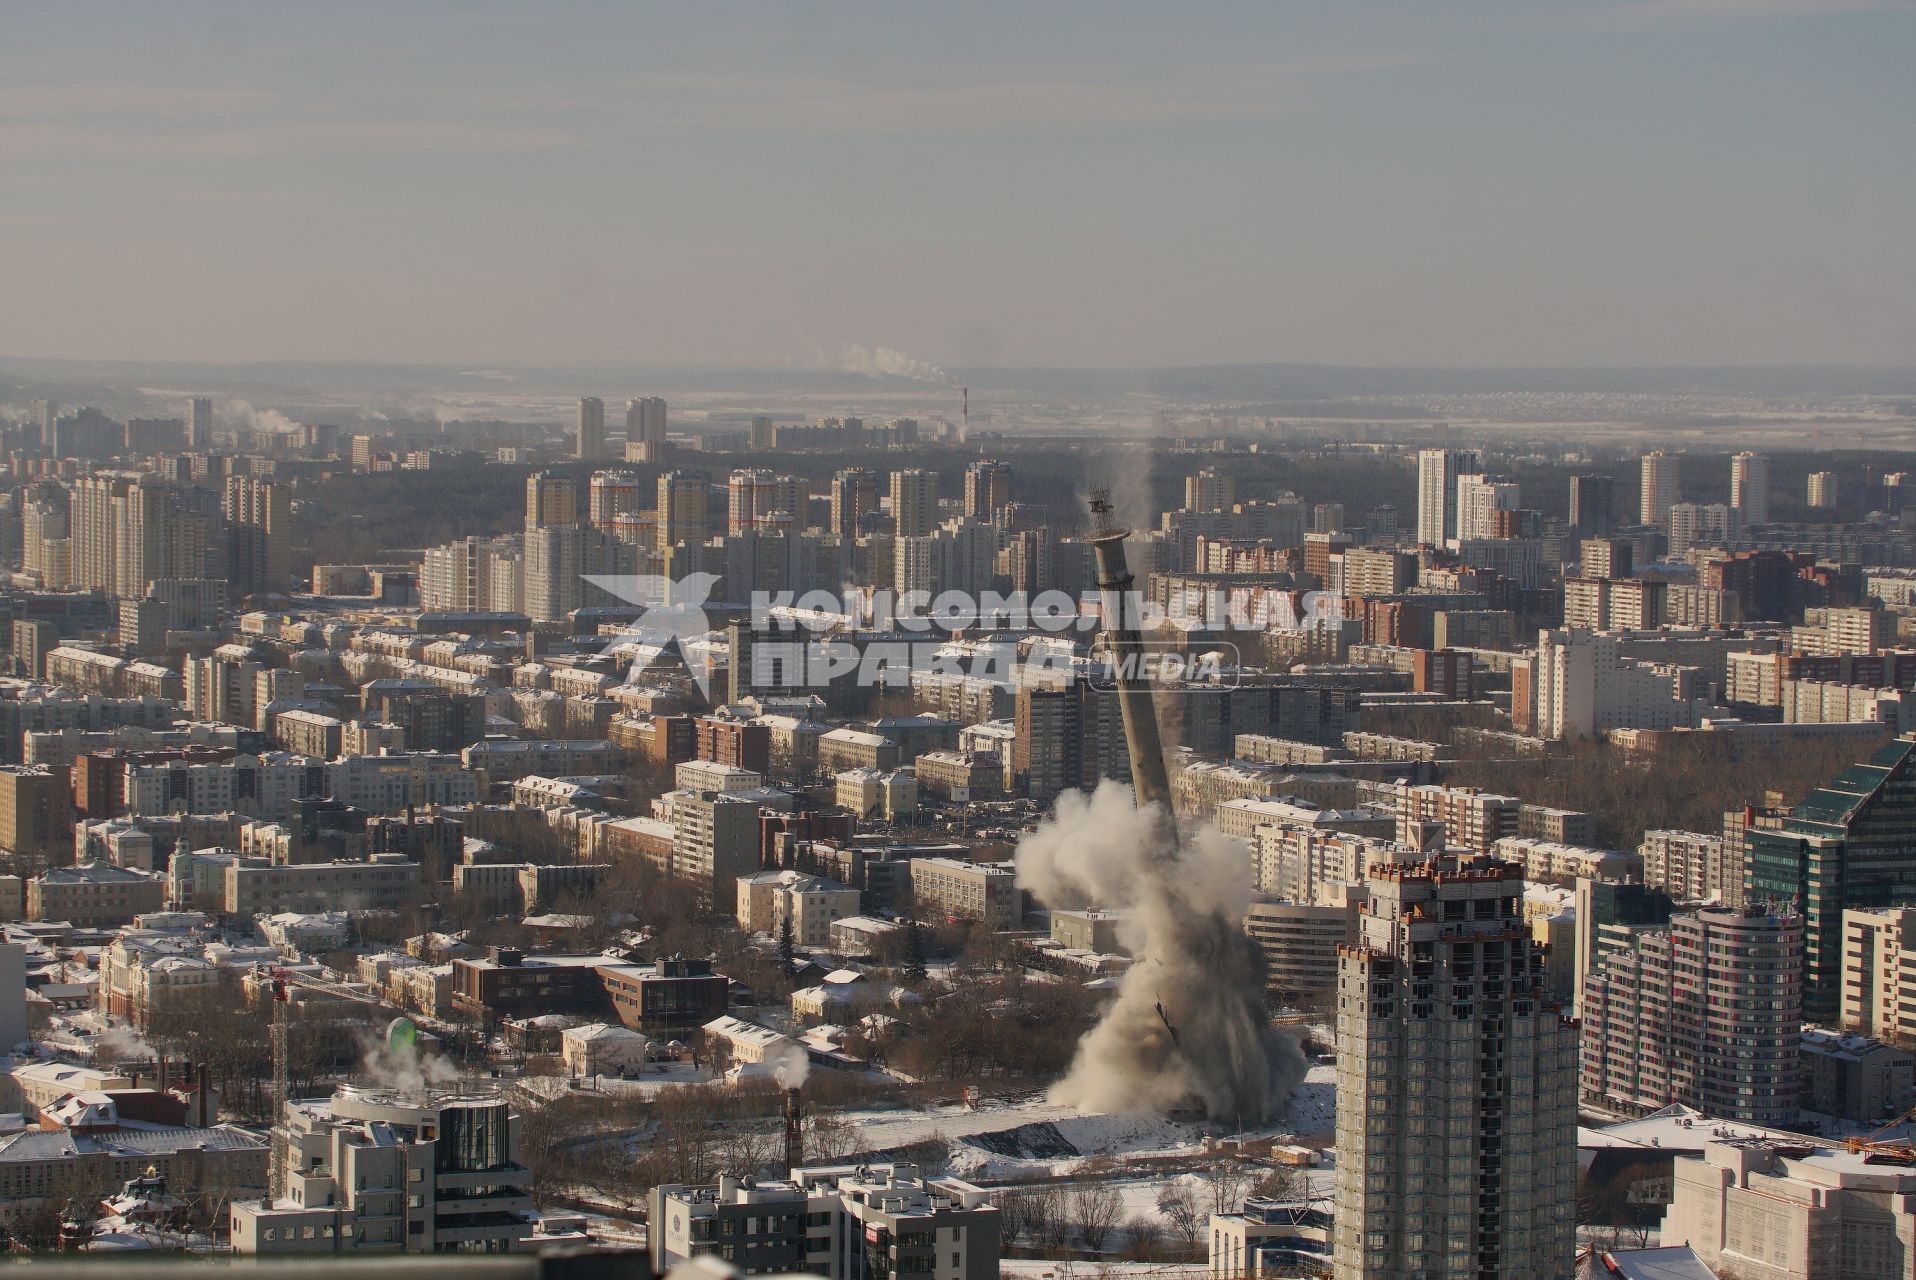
pixel 120 1044
pixel 792 1067
pixel 404 1069
pixel 260 419
pixel 873 362
pixel 1189 1024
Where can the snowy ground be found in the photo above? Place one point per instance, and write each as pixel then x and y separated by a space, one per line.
pixel 1016 1139
pixel 1040 1269
pixel 654 1080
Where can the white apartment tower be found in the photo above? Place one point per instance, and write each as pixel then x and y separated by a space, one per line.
pixel 1659 489
pixel 1456 1083
pixel 1581 685
pixel 1437 472
pixel 1478 500
pixel 1697 524
pixel 1750 488
pixel 591 434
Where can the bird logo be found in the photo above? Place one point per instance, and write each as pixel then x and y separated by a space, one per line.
pixel 674 613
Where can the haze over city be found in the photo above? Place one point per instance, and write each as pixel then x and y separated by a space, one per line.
pixel 1592 182
pixel 967 642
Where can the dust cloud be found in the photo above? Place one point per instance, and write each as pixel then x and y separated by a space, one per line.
pixel 1188 1028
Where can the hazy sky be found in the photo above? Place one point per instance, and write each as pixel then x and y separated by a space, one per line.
pixel 1450 182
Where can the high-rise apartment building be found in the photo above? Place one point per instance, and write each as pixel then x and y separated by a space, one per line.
pixel 957 556
pixel 259 520
pixel 36 816
pixel 199 422
pixel 590 435
pixel 645 421
pixel 1701 524
pixel 1068 736
pixel 1437 472
pixel 1606 557
pixel 987 488
pixel 1210 490
pixel 1750 488
pixel 1691 865
pixel 761 500
pixel 684 501
pixel 1659 492
pixel 611 494
pixel 1378 571
pixel 1593 505
pixel 1479 498
pixel 552 500
pixel 1847 845
pixel 1577 683
pixel 1879 972
pixel 45 414
pixel 1705 1010
pixel 854 496
pixel 1456 1083
pixel 1895 491
pixel 125 530
pixel 914 502
pixel 1822 490
pixel 1600 903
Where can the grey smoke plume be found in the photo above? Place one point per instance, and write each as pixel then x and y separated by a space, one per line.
pixel 1189 1024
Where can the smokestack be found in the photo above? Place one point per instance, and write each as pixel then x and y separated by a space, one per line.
pixel 794 1130
pixel 1120 603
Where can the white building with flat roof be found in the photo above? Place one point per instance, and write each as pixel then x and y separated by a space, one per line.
pixel 1767 1204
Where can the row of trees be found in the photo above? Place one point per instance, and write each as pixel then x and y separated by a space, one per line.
pixel 614 1148
pixel 1628 794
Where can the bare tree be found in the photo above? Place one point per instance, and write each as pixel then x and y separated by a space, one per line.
pixel 1051 1218
pixel 1280 1182
pixel 1180 1210
pixel 1096 1207
pixel 1226 1181
pixel 1142 1235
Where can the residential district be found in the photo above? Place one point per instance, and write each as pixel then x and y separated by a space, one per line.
pixel 722 836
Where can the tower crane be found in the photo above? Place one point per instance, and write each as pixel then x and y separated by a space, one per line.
pixel 1875 1149
pixel 282 982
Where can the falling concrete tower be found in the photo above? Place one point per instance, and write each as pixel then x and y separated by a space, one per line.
pixel 1120 603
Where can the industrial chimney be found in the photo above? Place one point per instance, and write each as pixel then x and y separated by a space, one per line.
pixel 794 1130
pixel 1120 603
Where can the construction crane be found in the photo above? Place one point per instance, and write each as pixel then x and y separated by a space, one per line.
pixel 1876 1150
pixel 282 981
